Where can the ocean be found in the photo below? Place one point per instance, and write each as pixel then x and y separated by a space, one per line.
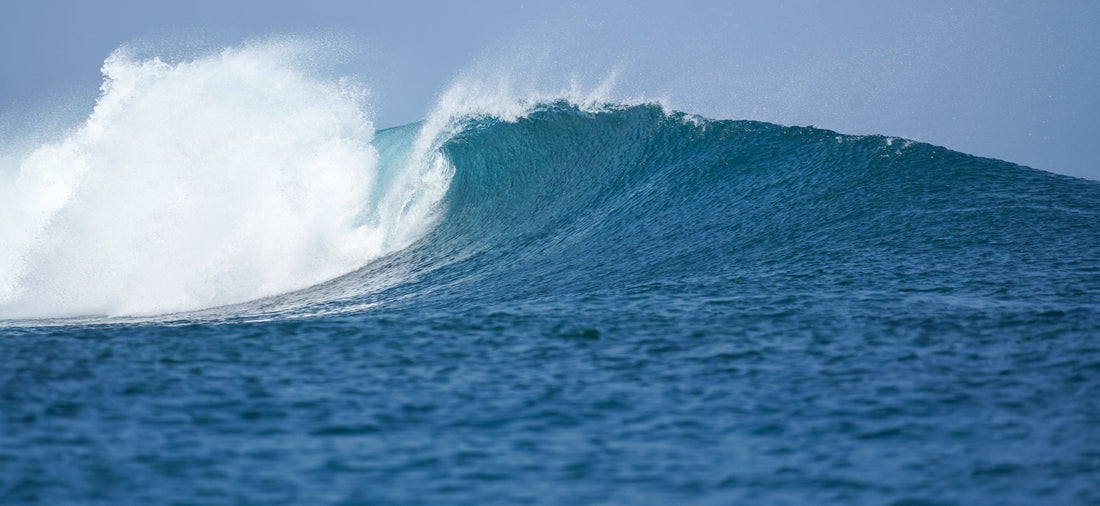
pixel 226 287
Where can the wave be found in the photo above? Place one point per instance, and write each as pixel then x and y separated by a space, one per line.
pixel 238 183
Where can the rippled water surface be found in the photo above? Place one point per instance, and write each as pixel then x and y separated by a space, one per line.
pixel 617 306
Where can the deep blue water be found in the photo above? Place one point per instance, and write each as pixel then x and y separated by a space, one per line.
pixel 623 306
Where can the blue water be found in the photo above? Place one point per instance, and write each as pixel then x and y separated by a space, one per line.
pixel 615 305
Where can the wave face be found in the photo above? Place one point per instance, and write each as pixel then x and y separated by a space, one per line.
pixel 543 299
pixel 565 202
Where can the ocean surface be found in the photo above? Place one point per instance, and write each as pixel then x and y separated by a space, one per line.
pixel 225 287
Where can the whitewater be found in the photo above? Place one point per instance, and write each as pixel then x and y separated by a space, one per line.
pixel 225 285
pixel 219 180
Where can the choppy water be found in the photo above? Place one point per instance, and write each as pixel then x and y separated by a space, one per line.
pixel 562 302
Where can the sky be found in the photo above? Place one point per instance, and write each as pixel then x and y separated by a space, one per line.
pixel 1003 79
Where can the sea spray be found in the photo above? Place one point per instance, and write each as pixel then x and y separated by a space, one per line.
pixel 222 179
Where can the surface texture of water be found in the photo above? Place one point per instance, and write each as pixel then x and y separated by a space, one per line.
pixel 620 306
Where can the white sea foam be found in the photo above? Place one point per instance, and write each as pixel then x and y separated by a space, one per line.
pixel 226 178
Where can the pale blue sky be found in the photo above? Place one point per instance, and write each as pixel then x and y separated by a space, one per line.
pixel 1010 80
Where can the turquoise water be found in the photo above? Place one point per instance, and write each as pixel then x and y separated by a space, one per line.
pixel 615 305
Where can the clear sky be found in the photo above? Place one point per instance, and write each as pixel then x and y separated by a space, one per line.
pixel 1009 80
